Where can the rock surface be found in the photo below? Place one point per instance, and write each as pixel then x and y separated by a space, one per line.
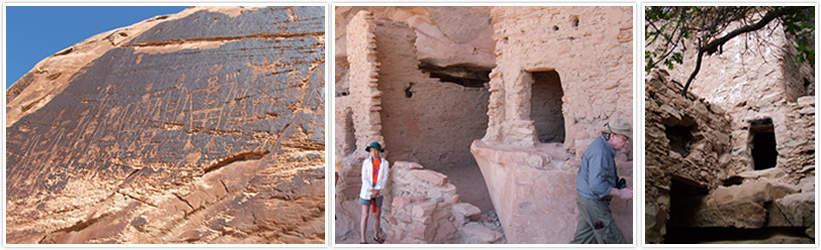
pixel 386 63
pixel 392 100
pixel 696 191
pixel 205 126
pixel 445 35
pixel 416 210
pixel 750 82
pixel 586 53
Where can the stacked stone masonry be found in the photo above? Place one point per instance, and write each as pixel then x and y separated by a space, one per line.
pixel 590 49
pixel 584 56
pixel 413 109
pixel 364 71
pixel 690 183
pixel 754 80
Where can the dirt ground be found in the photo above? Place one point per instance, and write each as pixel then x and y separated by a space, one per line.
pixel 470 184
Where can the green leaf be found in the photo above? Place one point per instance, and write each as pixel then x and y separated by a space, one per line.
pixel 677 57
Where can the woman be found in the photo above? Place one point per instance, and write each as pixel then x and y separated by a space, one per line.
pixel 374 176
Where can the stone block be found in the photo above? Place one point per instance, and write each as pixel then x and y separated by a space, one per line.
pixel 481 234
pixel 807 184
pixel 467 210
pixel 423 209
pixel 431 176
pixel 419 232
pixel 806 101
pixel 799 209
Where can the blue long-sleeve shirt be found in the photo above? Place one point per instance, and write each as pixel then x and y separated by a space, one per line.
pixel 597 174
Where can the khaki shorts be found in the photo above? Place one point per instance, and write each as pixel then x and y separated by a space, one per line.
pixel 368 202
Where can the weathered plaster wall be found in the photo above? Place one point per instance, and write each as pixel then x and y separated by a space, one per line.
pixel 591 50
pixel 532 184
pixel 416 118
pixel 424 120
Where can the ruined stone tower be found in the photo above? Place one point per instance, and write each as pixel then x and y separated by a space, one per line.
pixel 733 162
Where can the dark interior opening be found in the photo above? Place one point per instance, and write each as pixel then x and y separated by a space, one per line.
pixel 685 196
pixel 733 180
pixel 350 135
pixel 762 144
pixel 809 88
pixel 546 106
pixel 680 139
pixel 470 76
pixel 733 235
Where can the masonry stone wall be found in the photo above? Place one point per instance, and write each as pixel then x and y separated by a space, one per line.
pixel 363 71
pixel 591 50
pixel 699 159
pixel 425 120
pixel 417 119
pixel 755 78
pixel 691 183
pixel 424 208
pixel 532 184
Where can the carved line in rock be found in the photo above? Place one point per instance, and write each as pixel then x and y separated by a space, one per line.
pixel 227 38
pixel 83 224
pixel 80 225
pixel 234 158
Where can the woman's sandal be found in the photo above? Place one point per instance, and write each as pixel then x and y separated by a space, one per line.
pixel 378 240
pixel 363 242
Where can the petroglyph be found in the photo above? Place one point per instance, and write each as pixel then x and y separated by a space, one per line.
pixel 158 138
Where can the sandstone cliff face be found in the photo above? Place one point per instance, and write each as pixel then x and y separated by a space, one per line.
pixel 205 126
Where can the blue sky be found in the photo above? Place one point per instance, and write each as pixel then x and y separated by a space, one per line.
pixel 36 32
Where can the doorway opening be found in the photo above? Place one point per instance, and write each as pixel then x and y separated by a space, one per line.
pixel 685 197
pixel 546 106
pixel 762 144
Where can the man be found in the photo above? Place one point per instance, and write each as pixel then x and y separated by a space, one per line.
pixel 374 176
pixel 598 182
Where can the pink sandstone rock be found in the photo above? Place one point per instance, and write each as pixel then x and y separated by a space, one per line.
pixel 430 176
pixel 467 210
pixel 481 234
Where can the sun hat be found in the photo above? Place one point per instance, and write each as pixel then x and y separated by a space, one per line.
pixel 618 125
pixel 374 145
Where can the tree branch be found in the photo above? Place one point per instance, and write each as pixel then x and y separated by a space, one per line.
pixel 713 46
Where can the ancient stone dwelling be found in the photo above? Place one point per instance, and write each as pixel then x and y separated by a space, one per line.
pixel 733 162
pixel 181 128
pixel 515 92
